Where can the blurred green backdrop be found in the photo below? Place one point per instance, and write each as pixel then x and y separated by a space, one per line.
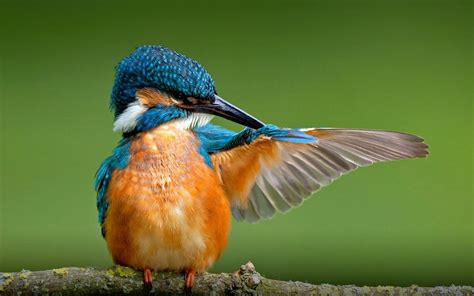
pixel 397 65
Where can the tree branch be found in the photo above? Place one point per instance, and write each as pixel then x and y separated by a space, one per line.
pixel 245 281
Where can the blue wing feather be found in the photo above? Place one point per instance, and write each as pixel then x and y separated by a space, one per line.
pixel 118 160
pixel 215 138
pixel 295 136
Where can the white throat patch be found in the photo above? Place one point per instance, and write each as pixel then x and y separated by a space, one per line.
pixel 194 120
pixel 127 121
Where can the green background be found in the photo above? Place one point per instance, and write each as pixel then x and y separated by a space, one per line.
pixel 397 65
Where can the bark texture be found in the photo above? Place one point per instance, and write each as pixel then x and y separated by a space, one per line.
pixel 120 280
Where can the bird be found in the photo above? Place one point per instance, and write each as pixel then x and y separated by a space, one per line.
pixel 167 193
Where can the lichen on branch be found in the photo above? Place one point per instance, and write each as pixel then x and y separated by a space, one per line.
pixel 119 280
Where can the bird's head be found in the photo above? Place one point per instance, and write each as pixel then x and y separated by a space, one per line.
pixel 155 85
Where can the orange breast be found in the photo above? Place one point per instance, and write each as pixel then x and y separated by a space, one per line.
pixel 167 209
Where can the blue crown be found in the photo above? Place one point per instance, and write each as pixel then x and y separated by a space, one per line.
pixel 161 68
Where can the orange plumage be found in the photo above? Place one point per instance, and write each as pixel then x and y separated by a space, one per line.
pixel 167 209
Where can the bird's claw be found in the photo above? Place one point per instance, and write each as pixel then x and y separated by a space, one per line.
pixel 189 276
pixel 147 277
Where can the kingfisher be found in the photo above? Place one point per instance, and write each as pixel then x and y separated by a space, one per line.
pixel 167 193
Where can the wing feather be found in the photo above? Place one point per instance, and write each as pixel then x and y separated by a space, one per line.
pixel 288 173
pixel 276 195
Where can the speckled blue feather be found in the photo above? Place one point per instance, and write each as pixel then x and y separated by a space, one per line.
pixel 214 138
pixel 118 160
pixel 158 115
pixel 161 68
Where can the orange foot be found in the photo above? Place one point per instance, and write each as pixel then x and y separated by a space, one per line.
pixel 148 276
pixel 189 276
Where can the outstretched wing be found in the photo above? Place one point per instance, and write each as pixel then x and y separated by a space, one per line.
pixel 268 175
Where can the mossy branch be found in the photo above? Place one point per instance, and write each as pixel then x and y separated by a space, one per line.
pixel 246 281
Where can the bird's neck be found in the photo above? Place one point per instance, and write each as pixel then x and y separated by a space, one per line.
pixel 132 122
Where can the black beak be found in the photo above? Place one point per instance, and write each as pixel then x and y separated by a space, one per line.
pixel 226 110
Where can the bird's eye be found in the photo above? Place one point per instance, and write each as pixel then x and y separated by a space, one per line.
pixel 180 96
pixel 186 100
